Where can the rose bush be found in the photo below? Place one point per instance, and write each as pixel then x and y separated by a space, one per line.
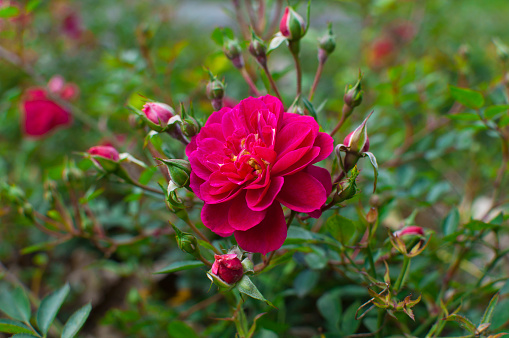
pixel 248 160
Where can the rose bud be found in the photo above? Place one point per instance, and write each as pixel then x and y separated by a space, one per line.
pixel 56 84
pixel 292 25
pixel 215 92
pixel 187 243
pixel 107 152
pixel 228 268
pixel 258 49
pixel 357 140
pixel 327 45
pixel 353 97
pixel 157 112
pixel 410 230
pixel 233 52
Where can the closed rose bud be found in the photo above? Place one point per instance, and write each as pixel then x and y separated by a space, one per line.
pixel 187 243
pixel 215 92
pixel 56 84
pixel 179 171
pixel 327 44
pixel 353 94
pixel 358 140
pixel 292 25
pixel 233 52
pixel 228 268
pixel 107 152
pixel 258 49
pixel 157 112
pixel 410 230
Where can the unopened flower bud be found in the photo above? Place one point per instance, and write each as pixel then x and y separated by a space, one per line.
pixel 215 92
pixel 357 140
pixel 228 268
pixel 158 113
pixel 258 49
pixel 292 25
pixel 410 230
pixel 327 44
pixel 353 95
pixel 233 52
pixel 187 243
pixel 105 151
pixel 179 171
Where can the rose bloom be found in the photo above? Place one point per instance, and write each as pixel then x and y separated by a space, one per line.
pixel 41 114
pixel 248 160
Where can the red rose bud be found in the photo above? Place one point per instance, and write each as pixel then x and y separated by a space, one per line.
pixel 233 52
pixel 258 49
pixel 105 151
pixel 410 230
pixel 228 268
pixel 159 113
pixel 292 25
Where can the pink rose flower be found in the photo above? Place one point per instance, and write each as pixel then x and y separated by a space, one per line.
pixel 105 151
pixel 228 267
pixel 41 114
pixel 248 160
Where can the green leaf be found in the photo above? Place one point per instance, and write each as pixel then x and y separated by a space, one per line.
pixel 297 235
pixel 372 159
pixel 275 42
pixel 310 108
pixel 329 306
pixel 349 324
pixel 500 315
pixel 179 266
pixel 49 308
pixel 24 335
pixel 493 111
pixel 179 329
pixel 44 246
pixel 91 194
pixel 464 117
pixel 464 322
pixel 305 282
pixel 76 321
pixel 15 304
pixel 12 326
pixel 341 228
pixel 488 314
pixel 9 12
pixel 247 287
pixel 467 97
pixel 146 176
pixel 451 222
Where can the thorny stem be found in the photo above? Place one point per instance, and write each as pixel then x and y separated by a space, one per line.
pixel 272 82
pixel 249 81
pixel 318 74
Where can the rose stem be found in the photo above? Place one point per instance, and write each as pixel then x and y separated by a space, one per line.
pixel 272 82
pixel 318 74
pixel 200 234
pixel 339 125
pixel 249 81
pixel 294 49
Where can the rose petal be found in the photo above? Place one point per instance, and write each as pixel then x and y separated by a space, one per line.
pixel 217 116
pixel 295 161
pixel 261 199
pixel 267 236
pixel 302 192
pixel 326 144
pixel 241 217
pixel 322 175
pixel 215 217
